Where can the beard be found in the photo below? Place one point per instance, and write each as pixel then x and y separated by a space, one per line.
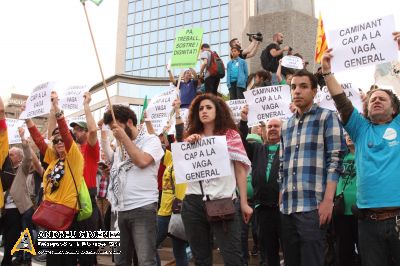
pixel 129 132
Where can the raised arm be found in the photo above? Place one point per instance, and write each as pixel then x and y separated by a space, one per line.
pixel 105 142
pixel 251 50
pixel 26 161
pixel 62 126
pixel 179 125
pixel 343 104
pixel 91 123
pixel 52 123
pixel 279 72
pixel 171 77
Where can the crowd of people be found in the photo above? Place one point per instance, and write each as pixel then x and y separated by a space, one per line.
pixel 319 189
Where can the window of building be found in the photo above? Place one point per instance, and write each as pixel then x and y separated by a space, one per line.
pixel 146 26
pixel 138 28
pixel 161 47
pixel 162 11
pixel 129 41
pixel 138 17
pixel 205 3
pixel 146 15
pixel 128 65
pixel 224 23
pixel 214 12
pixel 154 13
pixel 145 62
pixel 136 64
pixel 206 26
pixel 179 20
pixel 196 16
pixel 145 50
pixel 153 47
pixel 161 35
pixel 146 4
pixel 170 45
pixel 171 10
pixel 215 37
pixel 171 21
pixel 224 11
pixel 188 6
pixel 179 8
pixel 162 23
pixel 137 52
pixel 137 40
pixel 154 25
pixel 145 38
pixel 205 14
pixel 139 6
pixel 129 53
pixel 161 60
pixel 129 30
pixel 130 19
pixel 224 36
pixel 153 61
pixel 196 5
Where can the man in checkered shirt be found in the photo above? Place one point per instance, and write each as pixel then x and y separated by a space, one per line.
pixel 311 154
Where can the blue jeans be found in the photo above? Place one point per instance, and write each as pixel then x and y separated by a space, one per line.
pixel 303 240
pixel 178 246
pixel 379 242
pixel 199 232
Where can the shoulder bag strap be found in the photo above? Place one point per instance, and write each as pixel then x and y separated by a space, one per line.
pixel 73 178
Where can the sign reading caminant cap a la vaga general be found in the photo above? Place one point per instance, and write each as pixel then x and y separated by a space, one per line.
pixel 205 159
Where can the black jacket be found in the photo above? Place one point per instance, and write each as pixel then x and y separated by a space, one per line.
pixel 265 193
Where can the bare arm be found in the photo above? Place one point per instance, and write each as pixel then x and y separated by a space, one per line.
pixel 396 36
pixel 279 72
pixel 194 74
pixel 139 158
pixel 91 124
pixel 203 66
pixel 326 206
pixel 171 77
pixel 251 50
pixel 241 180
pixel 105 142
pixel 275 52
pixel 36 163
pixel 26 161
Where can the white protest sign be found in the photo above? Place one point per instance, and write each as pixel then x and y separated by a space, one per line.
pixel 160 108
pixel 39 102
pixel 72 98
pixel 12 130
pixel 326 101
pixel 236 106
pixel 363 44
pixel 205 159
pixel 268 102
pixel 184 114
pixel 291 61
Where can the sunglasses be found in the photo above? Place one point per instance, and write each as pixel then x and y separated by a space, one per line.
pixel 57 140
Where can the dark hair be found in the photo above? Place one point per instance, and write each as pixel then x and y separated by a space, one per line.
pixel 55 131
pixel 205 45
pixel 237 48
pixel 223 118
pixel 232 41
pixel 122 114
pixel 265 75
pixel 374 86
pixel 393 98
pixel 311 76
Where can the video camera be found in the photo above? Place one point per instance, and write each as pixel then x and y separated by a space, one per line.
pixel 256 36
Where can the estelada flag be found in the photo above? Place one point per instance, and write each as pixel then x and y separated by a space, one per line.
pixel 321 43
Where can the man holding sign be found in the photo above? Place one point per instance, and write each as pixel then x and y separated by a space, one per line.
pixel 377 142
pixel 311 154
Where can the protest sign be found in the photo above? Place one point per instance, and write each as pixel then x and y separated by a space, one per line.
pixel 326 101
pixel 268 102
pixel 363 44
pixel 186 48
pixel 72 98
pixel 291 61
pixel 160 108
pixel 12 130
pixel 236 106
pixel 39 102
pixel 205 159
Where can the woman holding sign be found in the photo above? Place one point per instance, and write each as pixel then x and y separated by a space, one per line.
pixel 205 201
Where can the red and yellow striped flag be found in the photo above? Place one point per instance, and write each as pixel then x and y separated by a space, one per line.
pixel 321 43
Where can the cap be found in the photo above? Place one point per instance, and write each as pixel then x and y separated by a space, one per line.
pixel 80 124
pixel 254 137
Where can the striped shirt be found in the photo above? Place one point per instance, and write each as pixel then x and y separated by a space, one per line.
pixel 311 153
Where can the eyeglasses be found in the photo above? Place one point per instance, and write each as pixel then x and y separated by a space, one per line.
pixel 57 140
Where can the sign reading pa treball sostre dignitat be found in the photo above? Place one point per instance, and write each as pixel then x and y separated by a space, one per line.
pixel 204 159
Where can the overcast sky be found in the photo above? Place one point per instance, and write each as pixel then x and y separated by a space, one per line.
pixel 48 40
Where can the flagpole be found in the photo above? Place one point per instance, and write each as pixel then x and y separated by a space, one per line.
pixel 102 75
pixel 98 62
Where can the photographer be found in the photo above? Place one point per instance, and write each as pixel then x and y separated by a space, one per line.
pixel 251 50
pixel 271 55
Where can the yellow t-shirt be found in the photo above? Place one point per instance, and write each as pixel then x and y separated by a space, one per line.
pixel 167 195
pixel 3 155
pixel 66 194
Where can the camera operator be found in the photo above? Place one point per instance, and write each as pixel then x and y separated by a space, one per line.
pixel 251 50
pixel 271 55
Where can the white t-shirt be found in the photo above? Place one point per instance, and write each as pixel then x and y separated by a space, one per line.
pixel 141 184
pixel 206 55
pixel 216 188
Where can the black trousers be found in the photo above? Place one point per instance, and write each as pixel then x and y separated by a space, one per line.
pixel 269 233
pixel 346 231
pixel 211 85
pixel 11 232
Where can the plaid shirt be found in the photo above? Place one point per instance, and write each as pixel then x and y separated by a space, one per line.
pixel 311 153
pixel 103 185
